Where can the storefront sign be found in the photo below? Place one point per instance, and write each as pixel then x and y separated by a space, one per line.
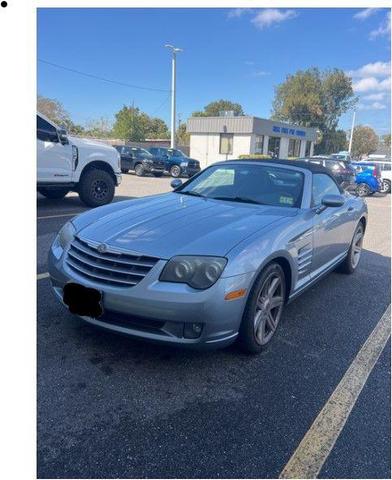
pixel 288 131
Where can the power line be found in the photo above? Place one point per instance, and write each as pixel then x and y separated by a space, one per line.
pixel 96 77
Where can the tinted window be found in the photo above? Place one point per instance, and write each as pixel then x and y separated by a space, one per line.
pixel 45 131
pixel 323 185
pixel 266 185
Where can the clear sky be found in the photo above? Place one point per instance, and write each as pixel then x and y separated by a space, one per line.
pixel 239 54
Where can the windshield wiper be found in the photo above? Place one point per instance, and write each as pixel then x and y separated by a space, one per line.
pixel 192 193
pixel 239 199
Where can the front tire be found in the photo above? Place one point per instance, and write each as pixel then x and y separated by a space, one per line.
pixel 362 190
pixel 351 262
pixel 175 171
pixel 96 188
pixel 263 309
pixel 139 170
pixel 53 193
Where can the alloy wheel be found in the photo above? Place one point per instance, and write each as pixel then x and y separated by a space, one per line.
pixel 356 248
pixel 385 186
pixel 99 189
pixel 269 308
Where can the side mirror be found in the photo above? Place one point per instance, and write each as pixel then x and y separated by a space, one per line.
pixel 176 183
pixel 332 200
pixel 62 133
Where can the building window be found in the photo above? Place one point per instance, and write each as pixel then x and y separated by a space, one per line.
pixel 307 148
pixel 274 146
pixel 294 147
pixel 259 144
pixel 226 143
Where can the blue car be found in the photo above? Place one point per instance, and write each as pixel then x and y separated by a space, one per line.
pixel 215 260
pixel 176 162
pixel 368 178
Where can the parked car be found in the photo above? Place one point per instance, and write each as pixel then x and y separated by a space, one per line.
pixel 386 175
pixel 343 172
pixel 213 261
pixel 140 160
pixel 176 162
pixel 368 178
pixel 66 163
pixel 343 156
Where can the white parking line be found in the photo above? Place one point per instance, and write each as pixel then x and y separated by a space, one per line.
pixel 59 216
pixel 40 276
pixel 312 452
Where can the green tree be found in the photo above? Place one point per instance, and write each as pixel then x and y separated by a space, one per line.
pixel 100 128
pixel 213 109
pixel 332 141
pixel 157 128
pixel 386 140
pixel 182 135
pixel 314 98
pixel 365 141
pixel 134 125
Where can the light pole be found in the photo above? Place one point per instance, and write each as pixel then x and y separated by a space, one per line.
pixel 351 135
pixel 174 50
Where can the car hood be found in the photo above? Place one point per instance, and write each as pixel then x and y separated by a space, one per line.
pixel 88 143
pixel 175 224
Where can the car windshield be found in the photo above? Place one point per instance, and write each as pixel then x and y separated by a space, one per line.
pixel 257 184
pixel 141 152
pixel 175 153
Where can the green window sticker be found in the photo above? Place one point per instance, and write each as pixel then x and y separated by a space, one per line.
pixel 286 200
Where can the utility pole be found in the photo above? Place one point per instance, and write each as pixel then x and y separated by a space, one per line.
pixel 174 50
pixel 351 134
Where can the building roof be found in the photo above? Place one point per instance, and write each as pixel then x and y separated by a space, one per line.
pixel 244 124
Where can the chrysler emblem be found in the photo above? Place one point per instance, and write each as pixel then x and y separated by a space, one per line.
pixel 102 248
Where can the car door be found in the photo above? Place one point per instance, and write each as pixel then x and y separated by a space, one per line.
pixel 332 226
pixel 54 160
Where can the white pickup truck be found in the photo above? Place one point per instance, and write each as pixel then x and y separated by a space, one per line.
pixel 68 163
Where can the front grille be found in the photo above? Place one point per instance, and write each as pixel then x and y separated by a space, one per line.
pixel 111 268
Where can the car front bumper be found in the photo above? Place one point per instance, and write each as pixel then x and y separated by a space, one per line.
pixel 162 311
pixel 189 171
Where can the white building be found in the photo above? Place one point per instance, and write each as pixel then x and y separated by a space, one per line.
pixel 227 137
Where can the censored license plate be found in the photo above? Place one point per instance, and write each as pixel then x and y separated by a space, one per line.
pixel 83 301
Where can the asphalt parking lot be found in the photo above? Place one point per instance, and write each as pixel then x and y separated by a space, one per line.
pixel 111 407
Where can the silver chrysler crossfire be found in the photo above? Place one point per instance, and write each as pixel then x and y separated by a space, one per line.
pixel 212 261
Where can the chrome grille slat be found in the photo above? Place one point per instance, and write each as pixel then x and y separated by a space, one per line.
pixel 95 275
pixel 115 268
pixel 93 252
pixel 103 266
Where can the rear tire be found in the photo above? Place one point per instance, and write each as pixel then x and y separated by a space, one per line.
pixel 175 171
pixel 385 186
pixel 139 170
pixel 96 188
pixel 263 309
pixel 351 262
pixel 362 190
pixel 53 193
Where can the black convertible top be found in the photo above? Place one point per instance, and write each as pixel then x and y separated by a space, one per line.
pixel 313 167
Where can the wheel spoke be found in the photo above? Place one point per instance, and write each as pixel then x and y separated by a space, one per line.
pixel 273 286
pixel 276 302
pixel 271 321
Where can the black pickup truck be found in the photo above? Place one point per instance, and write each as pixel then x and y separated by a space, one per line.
pixel 139 160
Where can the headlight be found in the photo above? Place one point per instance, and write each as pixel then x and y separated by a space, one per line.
pixel 197 272
pixel 66 235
